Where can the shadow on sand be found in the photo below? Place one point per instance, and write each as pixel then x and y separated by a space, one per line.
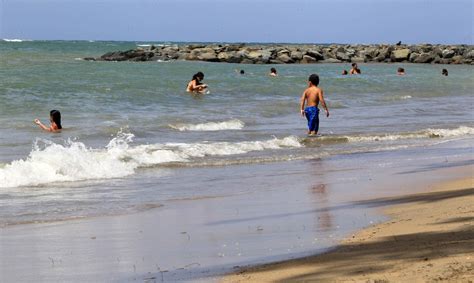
pixel 358 259
pixel 378 202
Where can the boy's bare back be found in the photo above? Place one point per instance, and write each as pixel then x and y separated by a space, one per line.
pixel 312 96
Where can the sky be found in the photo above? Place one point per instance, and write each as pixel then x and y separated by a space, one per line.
pixel 285 21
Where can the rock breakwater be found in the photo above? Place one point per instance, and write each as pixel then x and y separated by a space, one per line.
pixel 297 54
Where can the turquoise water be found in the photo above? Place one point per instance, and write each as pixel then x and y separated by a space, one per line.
pixel 121 119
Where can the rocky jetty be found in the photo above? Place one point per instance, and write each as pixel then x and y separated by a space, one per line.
pixel 298 54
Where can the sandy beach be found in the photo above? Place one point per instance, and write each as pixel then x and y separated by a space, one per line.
pixel 430 237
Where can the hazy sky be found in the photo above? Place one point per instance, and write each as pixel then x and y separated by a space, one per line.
pixel 299 21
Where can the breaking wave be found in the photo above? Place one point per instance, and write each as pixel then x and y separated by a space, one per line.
pixel 210 126
pixel 74 161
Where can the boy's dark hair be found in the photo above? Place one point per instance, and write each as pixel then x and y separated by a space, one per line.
pixel 354 64
pixel 273 70
pixel 56 117
pixel 314 79
pixel 400 69
pixel 242 72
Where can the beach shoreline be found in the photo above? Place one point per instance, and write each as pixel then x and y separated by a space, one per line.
pixel 429 237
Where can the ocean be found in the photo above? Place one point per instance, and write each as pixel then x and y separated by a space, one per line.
pixel 133 140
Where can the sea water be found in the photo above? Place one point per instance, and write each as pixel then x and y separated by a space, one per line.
pixel 121 118
pixel 134 140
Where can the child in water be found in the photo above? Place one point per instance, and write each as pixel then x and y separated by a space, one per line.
pixel 195 85
pixel 311 97
pixel 273 72
pixel 55 119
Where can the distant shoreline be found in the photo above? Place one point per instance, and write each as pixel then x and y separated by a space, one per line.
pixel 297 53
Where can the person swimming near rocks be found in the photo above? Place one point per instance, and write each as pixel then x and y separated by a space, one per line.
pixel 444 72
pixel 55 119
pixel 273 72
pixel 355 69
pixel 400 71
pixel 196 85
pixel 344 72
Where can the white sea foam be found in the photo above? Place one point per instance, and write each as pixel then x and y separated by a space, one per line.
pixel 211 126
pixel 405 97
pixel 50 162
pixel 429 133
pixel 12 40
pixel 461 131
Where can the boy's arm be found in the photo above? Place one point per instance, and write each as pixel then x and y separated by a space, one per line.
pixel 323 103
pixel 302 102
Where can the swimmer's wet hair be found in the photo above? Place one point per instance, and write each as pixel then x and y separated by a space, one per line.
pixel 56 117
pixel 314 79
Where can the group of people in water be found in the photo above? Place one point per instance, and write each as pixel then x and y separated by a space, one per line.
pixel 312 96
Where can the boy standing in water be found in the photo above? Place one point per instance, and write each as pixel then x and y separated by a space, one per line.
pixel 311 97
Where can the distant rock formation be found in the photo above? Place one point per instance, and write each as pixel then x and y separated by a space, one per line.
pixel 297 53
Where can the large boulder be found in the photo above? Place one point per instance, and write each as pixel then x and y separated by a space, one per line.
pixel 129 55
pixel 469 55
pixel 357 59
pixel 342 56
pixel 283 57
pixel 205 54
pixel 315 54
pixel 458 59
pixel 400 55
pixel 413 56
pixel 448 53
pixel 308 60
pixel 229 57
pixel 296 55
pixel 424 58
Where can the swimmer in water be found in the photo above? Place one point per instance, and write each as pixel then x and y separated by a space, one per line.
pixel 55 119
pixel 195 85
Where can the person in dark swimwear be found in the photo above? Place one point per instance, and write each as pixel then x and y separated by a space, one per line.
pixel 55 119
pixel 355 69
pixel 196 85
pixel 311 98
pixel 444 72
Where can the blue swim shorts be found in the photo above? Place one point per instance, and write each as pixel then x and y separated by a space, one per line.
pixel 312 115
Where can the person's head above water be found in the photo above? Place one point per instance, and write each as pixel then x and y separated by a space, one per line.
pixel 444 72
pixel 242 72
pixel 199 76
pixel 344 72
pixel 354 65
pixel 55 117
pixel 314 79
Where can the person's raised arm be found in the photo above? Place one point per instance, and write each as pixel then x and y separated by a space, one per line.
pixel 302 102
pixel 42 126
pixel 323 103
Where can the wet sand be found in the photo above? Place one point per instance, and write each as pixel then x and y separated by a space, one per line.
pixel 430 237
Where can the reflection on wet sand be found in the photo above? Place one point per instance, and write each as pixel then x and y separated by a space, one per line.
pixel 323 215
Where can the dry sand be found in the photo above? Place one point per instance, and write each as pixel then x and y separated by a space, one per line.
pixel 429 238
